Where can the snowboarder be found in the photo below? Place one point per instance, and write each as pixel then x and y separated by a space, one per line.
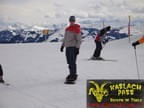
pixel 1 74
pixel 140 41
pixel 72 41
pixel 100 38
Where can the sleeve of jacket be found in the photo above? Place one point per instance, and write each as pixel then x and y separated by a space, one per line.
pixel 78 40
pixel 141 40
pixel 64 39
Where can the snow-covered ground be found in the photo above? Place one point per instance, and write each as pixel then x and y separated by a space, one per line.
pixel 37 72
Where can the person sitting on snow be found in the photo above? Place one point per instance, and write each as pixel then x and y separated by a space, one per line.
pixel 140 41
pixel 1 75
pixel 100 38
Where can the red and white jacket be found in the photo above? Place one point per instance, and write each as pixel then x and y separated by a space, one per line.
pixel 72 36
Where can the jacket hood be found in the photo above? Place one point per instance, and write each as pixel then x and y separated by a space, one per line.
pixel 74 28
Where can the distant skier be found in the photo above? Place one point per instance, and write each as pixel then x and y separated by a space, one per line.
pixel 100 38
pixel 140 41
pixel 1 75
pixel 72 41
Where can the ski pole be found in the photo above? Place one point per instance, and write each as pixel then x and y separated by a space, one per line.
pixel 137 63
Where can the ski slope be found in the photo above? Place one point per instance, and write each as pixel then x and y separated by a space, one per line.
pixel 37 72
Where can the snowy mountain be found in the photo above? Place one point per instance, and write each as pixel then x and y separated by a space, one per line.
pixel 37 72
pixel 16 34
pixel 89 33
pixel 27 34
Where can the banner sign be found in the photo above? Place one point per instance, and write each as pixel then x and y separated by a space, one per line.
pixel 115 94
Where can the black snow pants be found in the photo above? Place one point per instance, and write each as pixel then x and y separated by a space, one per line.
pixel 1 71
pixel 98 49
pixel 71 57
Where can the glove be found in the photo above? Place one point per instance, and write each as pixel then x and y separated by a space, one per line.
pixel 77 51
pixel 134 44
pixel 61 49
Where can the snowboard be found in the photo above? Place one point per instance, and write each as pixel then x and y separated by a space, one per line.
pixel 69 82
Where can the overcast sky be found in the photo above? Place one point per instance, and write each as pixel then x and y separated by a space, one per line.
pixel 54 11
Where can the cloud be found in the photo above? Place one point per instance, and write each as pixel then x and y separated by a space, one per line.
pixel 116 9
pixel 135 7
pixel 39 11
pixel 14 2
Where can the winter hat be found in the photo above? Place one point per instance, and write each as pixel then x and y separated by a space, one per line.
pixel 72 18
